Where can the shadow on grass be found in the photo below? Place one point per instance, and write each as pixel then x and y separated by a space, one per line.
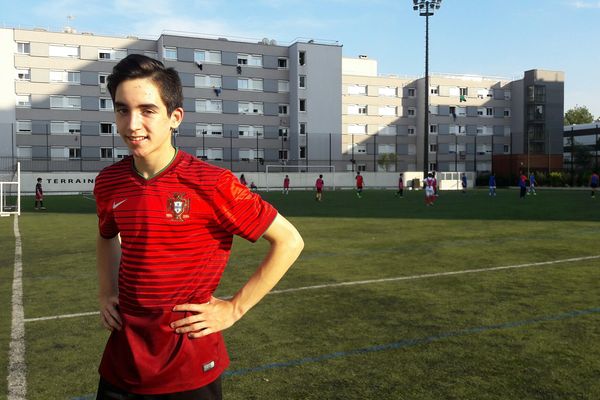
pixel 547 205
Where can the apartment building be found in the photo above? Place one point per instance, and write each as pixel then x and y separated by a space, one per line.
pixel 475 123
pixel 251 104
pixel 246 104
pixel 581 146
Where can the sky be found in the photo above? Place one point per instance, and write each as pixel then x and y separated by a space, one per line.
pixel 500 38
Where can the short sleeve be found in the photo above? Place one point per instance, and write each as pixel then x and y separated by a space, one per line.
pixel 106 223
pixel 240 211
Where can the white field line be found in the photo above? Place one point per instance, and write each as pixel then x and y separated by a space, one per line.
pixel 17 369
pixel 371 281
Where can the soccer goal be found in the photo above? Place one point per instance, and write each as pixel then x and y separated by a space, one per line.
pixel 301 176
pixel 10 191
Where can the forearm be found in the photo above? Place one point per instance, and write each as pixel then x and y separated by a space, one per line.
pixel 108 256
pixel 286 245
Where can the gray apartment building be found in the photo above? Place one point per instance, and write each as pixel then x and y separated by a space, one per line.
pixel 252 104
pixel 246 104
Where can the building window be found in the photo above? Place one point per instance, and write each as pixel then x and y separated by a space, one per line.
pixel 433 129
pixel 23 74
pixel 209 106
pixel 357 129
pixel 507 112
pixel 65 128
pixel 106 104
pixel 251 154
pixel 356 148
pixel 463 92
pixel 283 109
pixel 412 130
pixel 74 153
pixel 536 94
pixel 434 90
pixel 70 77
pixel 433 148
pixel 506 149
pixel 250 84
pixel 282 63
pixel 302 81
pixel 302 105
pixel 68 102
pixel 357 109
pixel 386 149
pixel 357 90
pixel 489 112
pixel 23 48
pixel 112 54
pixel 388 130
pixel 207 81
pixel 507 95
pixel 102 79
pixel 387 110
pixel 107 128
pixel 387 91
pixel 23 126
pixel 283 154
pixel 63 51
pixel 170 53
pixel 245 107
pixel 302 154
pixel 207 56
pixel 106 153
pixel 24 152
pixel 283 132
pixel 210 154
pixel 250 131
pixel 412 92
pixel 302 128
pixel 301 57
pixel 251 60
pixel 23 100
pixel 361 167
pixel 209 129
pixel 411 112
pixel 283 86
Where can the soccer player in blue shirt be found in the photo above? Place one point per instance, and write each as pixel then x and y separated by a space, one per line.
pixel 492 184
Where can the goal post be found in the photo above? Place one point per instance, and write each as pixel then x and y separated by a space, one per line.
pixel 301 176
pixel 10 191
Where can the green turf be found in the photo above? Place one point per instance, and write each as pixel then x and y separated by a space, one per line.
pixel 510 334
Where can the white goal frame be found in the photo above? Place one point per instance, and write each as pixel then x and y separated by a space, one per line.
pixel 5 209
pixel 307 173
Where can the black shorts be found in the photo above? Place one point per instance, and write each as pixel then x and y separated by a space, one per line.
pixel 212 391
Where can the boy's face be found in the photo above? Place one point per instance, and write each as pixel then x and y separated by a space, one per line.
pixel 142 119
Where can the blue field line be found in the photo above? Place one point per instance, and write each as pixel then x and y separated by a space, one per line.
pixel 398 345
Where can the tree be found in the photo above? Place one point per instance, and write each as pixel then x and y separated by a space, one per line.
pixel 578 115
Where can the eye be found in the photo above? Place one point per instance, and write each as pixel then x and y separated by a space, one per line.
pixel 121 111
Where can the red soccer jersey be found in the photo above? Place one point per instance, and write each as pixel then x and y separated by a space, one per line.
pixel 176 231
pixel 359 181
pixel 286 183
pixel 319 184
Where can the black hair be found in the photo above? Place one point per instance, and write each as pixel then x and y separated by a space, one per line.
pixel 138 66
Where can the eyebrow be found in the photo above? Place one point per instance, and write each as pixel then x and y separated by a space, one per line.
pixel 146 105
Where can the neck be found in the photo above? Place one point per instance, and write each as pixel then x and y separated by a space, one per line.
pixel 150 167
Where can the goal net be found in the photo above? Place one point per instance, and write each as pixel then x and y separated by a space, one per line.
pixel 301 176
pixel 10 191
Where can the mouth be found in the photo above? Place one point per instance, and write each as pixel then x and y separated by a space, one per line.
pixel 136 139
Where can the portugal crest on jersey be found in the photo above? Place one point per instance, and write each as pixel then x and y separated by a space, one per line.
pixel 178 207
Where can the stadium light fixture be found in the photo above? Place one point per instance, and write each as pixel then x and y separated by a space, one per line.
pixel 426 8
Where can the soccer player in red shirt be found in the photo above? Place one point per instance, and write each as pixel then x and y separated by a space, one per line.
pixel 359 184
pixel 319 186
pixel 166 226
pixel 286 185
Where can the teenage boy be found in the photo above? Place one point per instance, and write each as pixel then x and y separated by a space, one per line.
pixel 39 195
pixel 166 225
pixel 359 184
pixel 319 183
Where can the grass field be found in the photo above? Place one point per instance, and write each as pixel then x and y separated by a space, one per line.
pixel 396 300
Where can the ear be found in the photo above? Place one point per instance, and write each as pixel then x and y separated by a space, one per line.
pixel 176 117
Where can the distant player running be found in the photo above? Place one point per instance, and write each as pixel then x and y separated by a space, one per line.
pixel 359 184
pixel 594 182
pixel 430 186
pixel 319 186
pixel 492 184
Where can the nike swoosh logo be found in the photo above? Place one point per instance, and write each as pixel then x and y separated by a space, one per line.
pixel 115 204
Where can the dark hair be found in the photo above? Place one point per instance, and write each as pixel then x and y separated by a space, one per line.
pixel 39 179
pixel 137 66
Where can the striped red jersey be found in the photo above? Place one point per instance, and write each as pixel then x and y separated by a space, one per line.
pixel 176 234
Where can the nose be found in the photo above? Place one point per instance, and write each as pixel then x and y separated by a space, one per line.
pixel 135 121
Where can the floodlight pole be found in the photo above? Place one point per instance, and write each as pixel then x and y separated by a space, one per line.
pixel 425 9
